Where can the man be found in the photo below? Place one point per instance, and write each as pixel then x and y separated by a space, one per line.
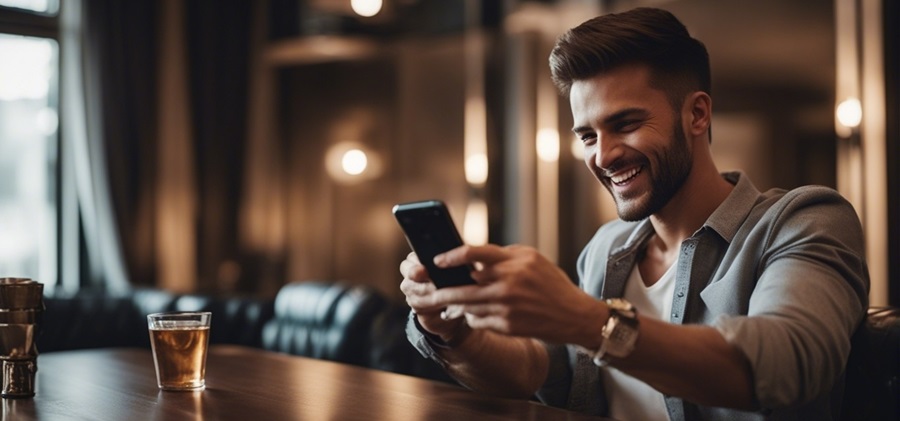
pixel 745 302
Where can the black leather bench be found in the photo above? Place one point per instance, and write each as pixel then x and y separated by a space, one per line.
pixel 336 321
pixel 872 388
pixel 353 324
pixel 99 320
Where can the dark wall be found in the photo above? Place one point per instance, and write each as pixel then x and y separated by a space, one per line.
pixel 892 89
pixel 406 107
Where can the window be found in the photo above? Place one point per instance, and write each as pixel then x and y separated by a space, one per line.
pixel 46 7
pixel 29 141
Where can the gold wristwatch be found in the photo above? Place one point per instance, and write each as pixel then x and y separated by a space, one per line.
pixel 620 332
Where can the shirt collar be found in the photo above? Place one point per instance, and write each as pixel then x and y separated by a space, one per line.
pixel 728 217
pixel 725 220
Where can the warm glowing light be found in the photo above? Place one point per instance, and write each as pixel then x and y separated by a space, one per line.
pixel 350 162
pixel 577 148
pixel 475 225
pixel 476 169
pixel 849 112
pixel 354 162
pixel 548 145
pixel 366 8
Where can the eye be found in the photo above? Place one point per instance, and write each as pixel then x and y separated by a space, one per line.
pixel 588 138
pixel 628 126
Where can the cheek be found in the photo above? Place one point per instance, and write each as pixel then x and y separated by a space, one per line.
pixel 590 161
pixel 590 156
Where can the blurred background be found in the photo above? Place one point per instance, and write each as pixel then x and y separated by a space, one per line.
pixel 231 147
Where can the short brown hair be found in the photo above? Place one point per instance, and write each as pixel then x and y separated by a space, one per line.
pixel 679 64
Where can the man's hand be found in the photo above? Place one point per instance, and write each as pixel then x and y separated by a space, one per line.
pixel 519 293
pixel 482 359
pixel 439 319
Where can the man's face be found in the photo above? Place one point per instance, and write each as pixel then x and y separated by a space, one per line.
pixel 634 141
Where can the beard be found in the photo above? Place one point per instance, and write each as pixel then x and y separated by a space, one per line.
pixel 674 165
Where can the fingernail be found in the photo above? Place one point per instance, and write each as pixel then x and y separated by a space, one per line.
pixel 439 260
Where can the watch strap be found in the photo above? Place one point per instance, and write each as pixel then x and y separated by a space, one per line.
pixel 619 333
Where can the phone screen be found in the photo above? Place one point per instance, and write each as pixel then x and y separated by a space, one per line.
pixel 430 231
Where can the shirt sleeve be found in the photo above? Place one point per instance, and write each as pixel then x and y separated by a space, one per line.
pixel 418 337
pixel 810 297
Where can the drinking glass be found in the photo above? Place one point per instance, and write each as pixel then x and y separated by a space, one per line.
pixel 179 341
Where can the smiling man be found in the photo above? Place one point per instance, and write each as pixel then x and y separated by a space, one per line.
pixel 707 299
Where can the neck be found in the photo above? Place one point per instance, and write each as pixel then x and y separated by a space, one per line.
pixel 703 192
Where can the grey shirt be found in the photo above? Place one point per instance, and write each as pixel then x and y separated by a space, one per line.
pixel 781 274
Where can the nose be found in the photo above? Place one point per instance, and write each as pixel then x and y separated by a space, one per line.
pixel 605 152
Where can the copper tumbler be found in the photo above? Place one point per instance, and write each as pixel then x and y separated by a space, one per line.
pixel 21 307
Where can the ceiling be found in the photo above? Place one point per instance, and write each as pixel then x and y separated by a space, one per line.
pixel 765 54
pixel 782 48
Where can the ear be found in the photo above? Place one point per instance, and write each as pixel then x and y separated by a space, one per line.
pixel 697 113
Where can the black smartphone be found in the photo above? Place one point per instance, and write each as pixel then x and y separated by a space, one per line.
pixel 430 231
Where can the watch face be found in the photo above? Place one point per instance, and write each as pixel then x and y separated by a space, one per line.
pixel 621 334
pixel 621 331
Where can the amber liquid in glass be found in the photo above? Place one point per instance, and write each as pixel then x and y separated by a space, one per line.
pixel 180 357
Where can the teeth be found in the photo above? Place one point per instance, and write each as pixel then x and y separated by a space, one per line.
pixel 621 178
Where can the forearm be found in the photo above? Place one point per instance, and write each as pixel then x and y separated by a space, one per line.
pixel 498 364
pixel 691 362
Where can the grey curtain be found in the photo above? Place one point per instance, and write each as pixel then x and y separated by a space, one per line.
pixel 107 46
pixel 111 106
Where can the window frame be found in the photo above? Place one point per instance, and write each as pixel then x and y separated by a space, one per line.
pixel 22 22
pixel 15 21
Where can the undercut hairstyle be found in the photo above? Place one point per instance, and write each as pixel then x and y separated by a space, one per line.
pixel 678 63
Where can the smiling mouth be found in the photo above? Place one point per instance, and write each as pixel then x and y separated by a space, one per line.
pixel 625 177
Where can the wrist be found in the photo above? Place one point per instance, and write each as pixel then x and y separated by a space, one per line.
pixel 448 340
pixel 619 332
pixel 590 335
pixel 458 335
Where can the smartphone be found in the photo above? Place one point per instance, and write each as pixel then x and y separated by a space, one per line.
pixel 430 231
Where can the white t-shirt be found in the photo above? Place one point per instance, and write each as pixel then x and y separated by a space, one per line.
pixel 630 398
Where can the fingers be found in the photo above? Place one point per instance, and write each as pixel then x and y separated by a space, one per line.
pixel 488 254
pixel 452 312
pixel 434 315
pixel 425 297
pixel 412 269
pixel 411 287
pixel 420 297
pixel 417 287
pixel 467 294
pixel 421 293
pixel 493 263
pixel 496 323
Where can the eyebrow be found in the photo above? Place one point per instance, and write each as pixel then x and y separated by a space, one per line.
pixel 612 118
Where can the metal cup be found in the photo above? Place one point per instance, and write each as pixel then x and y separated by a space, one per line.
pixel 21 308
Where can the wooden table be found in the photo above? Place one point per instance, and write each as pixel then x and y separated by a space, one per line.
pixel 251 384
